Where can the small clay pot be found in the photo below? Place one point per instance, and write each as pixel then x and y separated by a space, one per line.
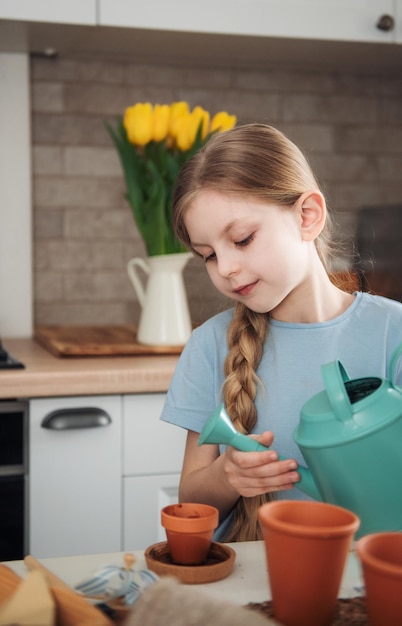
pixel 189 530
pixel 380 555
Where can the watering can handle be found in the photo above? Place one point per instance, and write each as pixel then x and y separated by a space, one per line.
pixel 394 360
pixel 335 376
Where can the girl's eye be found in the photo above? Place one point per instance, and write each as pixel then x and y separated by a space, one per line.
pixel 210 257
pixel 246 241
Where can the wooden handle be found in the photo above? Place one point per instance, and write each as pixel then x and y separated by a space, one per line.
pixel 129 560
pixel 71 608
pixel 53 580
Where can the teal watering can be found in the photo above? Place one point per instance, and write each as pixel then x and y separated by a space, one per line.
pixel 350 435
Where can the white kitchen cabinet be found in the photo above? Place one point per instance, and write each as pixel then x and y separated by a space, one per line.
pixel 71 12
pixel 100 488
pixel 152 459
pixel 144 497
pixel 338 20
pixel 75 476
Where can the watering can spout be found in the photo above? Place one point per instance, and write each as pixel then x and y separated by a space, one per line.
pixel 219 429
pixel 307 483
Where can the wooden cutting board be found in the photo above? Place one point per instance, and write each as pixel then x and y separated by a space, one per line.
pixel 73 341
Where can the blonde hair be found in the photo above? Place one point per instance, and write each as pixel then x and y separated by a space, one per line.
pixel 255 161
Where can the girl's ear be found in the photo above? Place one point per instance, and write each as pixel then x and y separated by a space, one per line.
pixel 313 212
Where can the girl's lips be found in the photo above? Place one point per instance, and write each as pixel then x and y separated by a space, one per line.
pixel 244 291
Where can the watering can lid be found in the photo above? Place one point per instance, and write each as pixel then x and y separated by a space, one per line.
pixel 331 417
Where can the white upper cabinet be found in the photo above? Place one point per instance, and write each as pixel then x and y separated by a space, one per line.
pixel 337 20
pixel 58 11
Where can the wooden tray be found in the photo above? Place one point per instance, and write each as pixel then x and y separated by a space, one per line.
pixel 73 341
pixel 219 564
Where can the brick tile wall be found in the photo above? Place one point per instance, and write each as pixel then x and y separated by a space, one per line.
pixel 349 125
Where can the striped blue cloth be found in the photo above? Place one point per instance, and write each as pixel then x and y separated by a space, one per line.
pixel 116 582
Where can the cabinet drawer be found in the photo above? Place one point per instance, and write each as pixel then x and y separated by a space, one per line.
pixel 150 446
pixel 75 477
pixel 144 497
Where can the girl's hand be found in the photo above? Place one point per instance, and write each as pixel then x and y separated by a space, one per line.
pixel 255 473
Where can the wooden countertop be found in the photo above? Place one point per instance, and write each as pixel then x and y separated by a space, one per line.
pixel 47 375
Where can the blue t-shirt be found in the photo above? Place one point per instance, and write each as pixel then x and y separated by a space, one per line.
pixel 363 339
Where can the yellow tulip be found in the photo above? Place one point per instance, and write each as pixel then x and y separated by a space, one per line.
pixel 223 121
pixel 188 125
pixel 178 110
pixel 183 135
pixel 200 116
pixel 138 122
pixel 161 119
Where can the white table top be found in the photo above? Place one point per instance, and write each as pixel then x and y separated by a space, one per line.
pixel 248 581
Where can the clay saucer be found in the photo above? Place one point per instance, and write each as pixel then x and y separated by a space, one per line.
pixel 218 565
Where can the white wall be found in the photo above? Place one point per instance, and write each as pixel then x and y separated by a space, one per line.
pixel 16 316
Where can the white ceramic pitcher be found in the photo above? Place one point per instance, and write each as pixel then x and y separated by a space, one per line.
pixel 165 316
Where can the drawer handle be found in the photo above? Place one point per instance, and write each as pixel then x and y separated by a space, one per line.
pixel 70 419
pixel 386 23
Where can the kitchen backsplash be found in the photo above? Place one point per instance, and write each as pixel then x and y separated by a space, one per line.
pixel 349 125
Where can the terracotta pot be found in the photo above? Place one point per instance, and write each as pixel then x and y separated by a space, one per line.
pixel 380 555
pixel 189 530
pixel 306 545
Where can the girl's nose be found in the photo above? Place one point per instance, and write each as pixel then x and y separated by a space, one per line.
pixel 228 266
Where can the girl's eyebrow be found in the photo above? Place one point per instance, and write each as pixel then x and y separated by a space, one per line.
pixel 195 244
pixel 225 230
pixel 231 224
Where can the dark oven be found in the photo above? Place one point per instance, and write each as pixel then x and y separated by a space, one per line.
pixel 13 479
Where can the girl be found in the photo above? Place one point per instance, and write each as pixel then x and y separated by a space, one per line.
pixel 249 205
